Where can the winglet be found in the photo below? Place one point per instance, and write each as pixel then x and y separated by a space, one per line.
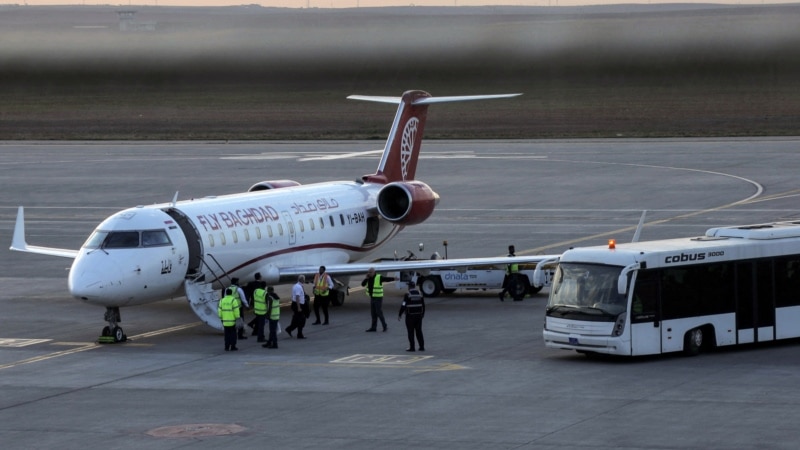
pixel 399 160
pixel 18 241
pixel 19 244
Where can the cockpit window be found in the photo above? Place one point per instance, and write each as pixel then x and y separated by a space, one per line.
pixel 155 238
pixel 96 239
pixel 122 239
pixel 128 239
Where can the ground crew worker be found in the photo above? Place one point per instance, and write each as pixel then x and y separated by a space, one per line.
pixel 228 311
pixel 511 279
pixel 238 293
pixel 260 309
pixel 414 307
pixel 298 308
pixel 248 290
pixel 274 313
pixel 323 284
pixel 374 288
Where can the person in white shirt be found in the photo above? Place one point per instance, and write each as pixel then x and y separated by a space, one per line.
pixel 299 308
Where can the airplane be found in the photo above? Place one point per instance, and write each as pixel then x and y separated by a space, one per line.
pixel 278 228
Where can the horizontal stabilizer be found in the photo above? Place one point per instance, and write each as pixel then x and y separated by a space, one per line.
pixel 429 100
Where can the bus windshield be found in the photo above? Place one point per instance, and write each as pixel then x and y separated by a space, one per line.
pixel 588 291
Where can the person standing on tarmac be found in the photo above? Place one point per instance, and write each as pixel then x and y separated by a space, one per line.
pixel 374 288
pixel 238 293
pixel 323 284
pixel 299 308
pixel 510 281
pixel 274 313
pixel 228 311
pixel 260 310
pixel 248 290
pixel 414 307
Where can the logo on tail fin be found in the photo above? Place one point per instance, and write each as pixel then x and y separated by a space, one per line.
pixel 407 146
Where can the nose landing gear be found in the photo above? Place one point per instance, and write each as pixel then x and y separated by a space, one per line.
pixel 112 333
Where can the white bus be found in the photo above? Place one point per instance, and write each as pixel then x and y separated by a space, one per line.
pixel 734 285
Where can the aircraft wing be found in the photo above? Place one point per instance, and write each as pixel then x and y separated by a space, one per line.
pixel 19 244
pixel 420 265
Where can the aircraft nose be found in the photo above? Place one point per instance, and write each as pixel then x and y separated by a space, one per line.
pixel 95 279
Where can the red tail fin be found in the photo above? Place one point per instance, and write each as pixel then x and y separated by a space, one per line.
pixel 399 160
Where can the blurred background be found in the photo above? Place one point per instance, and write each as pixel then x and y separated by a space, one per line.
pixel 249 72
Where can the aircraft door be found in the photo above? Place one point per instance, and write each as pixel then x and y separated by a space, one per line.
pixel 192 239
pixel 290 227
pixel 372 229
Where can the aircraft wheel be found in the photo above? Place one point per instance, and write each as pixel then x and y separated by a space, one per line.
pixel 119 335
pixel 521 288
pixel 430 286
pixel 106 331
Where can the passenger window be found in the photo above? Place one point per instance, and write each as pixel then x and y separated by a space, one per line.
pixel 235 237
pixel 269 230
pixel 211 240
pixel 258 233
pixel 341 218
pixel 331 218
pixel 247 235
pixel 280 229
pixel 302 227
pixel 311 224
pixel 321 224
pixel 222 238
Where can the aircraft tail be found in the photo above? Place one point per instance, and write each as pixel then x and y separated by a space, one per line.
pixel 400 154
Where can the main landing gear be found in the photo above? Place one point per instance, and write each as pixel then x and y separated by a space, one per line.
pixel 112 333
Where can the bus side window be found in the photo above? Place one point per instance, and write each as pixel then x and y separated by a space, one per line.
pixel 787 282
pixel 644 306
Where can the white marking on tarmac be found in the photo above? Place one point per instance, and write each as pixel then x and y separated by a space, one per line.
pixel 10 342
pixel 380 359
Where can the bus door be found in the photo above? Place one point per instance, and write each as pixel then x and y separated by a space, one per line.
pixel 644 314
pixel 755 305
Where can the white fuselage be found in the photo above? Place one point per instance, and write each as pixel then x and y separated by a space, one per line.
pixel 217 238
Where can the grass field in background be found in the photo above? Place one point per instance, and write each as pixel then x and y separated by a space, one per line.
pixel 732 72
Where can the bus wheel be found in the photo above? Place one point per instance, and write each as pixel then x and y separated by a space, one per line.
pixel 693 342
pixel 430 286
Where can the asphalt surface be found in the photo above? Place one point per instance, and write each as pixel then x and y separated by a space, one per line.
pixel 485 381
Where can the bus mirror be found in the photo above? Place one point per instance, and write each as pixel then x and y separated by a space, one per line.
pixel 539 276
pixel 622 284
pixel 622 281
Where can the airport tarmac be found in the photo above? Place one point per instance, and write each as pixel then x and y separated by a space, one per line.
pixel 485 381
